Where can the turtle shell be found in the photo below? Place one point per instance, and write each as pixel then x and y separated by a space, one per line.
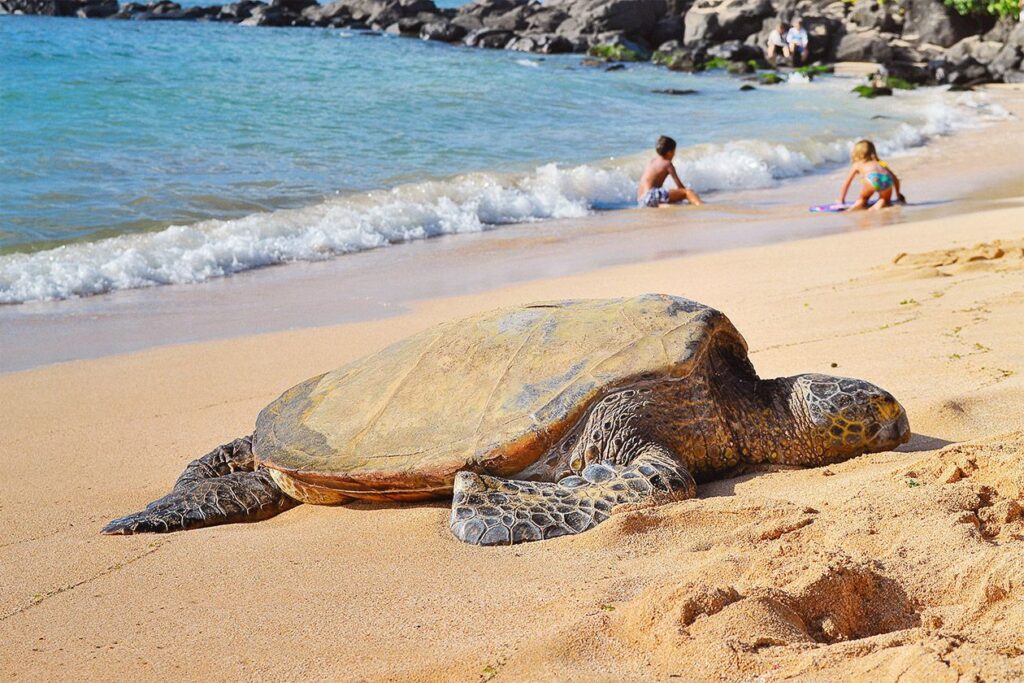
pixel 489 393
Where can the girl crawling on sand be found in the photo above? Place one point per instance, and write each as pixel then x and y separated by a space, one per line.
pixel 877 177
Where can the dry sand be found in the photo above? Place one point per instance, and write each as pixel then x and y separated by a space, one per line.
pixel 904 565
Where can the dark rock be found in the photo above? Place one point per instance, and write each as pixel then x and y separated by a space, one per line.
pixel 444 31
pixel 882 17
pixel 619 48
pixel 545 20
pixel 99 10
pixel 740 68
pixel 667 29
pixel 1007 61
pixel 237 11
pixel 544 43
pixel 969 71
pixel 488 38
pixel 911 72
pixel 128 10
pixel 715 21
pixel 676 58
pixel 333 14
pixel 771 79
pixel 872 91
pixel 931 21
pixel 615 67
pixel 47 8
pixel 636 19
pixel 746 87
pixel 674 91
pixel 515 20
pixel 411 26
pixel 734 51
pixel 1016 36
pixel 973 46
pixel 864 46
pixel 265 15
pixel 293 6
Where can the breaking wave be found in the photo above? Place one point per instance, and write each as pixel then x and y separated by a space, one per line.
pixel 467 203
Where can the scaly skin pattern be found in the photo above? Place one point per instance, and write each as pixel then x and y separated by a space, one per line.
pixel 494 511
pixel 222 486
pixel 649 443
pixel 646 443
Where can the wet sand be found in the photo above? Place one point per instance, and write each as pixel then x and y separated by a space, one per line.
pixel 903 564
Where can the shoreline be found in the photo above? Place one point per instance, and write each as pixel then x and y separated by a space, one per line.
pixel 888 565
pixel 382 282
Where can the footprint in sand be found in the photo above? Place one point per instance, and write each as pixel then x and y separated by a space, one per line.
pixel 996 255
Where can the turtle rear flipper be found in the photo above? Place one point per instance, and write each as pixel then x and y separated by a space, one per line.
pixel 219 488
pixel 493 511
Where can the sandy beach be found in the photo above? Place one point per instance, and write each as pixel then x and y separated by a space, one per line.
pixel 902 565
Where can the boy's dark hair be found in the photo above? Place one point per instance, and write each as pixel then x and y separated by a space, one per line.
pixel 665 145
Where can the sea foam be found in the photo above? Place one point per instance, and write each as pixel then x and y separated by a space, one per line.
pixel 467 203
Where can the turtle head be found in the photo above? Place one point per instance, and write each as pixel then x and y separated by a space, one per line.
pixel 847 417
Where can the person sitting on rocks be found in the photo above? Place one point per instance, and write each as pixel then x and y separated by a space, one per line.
pixel 777 43
pixel 651 194
pixel 798 40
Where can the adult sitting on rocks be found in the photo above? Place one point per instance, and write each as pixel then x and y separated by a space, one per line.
pixel 798 40
pixel 777 43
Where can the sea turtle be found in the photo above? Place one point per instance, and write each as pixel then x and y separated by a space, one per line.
pixel 541 419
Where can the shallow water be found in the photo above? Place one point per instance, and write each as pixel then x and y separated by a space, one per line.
pixel 160 153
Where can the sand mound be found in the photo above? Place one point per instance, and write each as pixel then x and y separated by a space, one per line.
pixel 894 563
pixel 995 255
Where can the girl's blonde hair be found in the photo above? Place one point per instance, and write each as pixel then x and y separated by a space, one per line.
pixel 864 150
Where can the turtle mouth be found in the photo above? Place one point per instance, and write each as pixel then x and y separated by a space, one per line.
pixel 895 432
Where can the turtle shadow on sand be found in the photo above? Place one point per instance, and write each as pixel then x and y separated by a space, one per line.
pixel 535 421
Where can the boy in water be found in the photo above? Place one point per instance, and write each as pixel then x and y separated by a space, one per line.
pixel 651 193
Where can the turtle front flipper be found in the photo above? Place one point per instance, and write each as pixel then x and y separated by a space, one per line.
pixel 494 511
pixel 221 487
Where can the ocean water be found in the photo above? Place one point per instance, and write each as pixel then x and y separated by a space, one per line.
pixel 136 154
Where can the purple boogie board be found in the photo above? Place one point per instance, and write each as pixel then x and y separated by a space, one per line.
pixel 836 208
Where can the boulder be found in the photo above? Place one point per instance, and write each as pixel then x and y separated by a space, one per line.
pixel 1016 36
pixel 488 38
pixel 714 21
pixel 865 46
pixel 882 17
pixel 967 72
pixel 911 72
pixel 636 19
pixel 544 43
pixel 668 28
pixel 265 15
pixel 334 14
pixel 675 57
pixel 444 31
pixel 735 51
pixel 293 6
pixel 48 8
pixel 545 20
pixel 515 20
pixel 128 10
pixel 618 48
pixel 98 10
pixel 931 21
pixel 1007 61
pixel 984 51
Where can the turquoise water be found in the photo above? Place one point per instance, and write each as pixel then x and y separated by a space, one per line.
pixel 165 152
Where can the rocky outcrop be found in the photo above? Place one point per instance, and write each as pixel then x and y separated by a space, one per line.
pixel 714 21
pixel 922 41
